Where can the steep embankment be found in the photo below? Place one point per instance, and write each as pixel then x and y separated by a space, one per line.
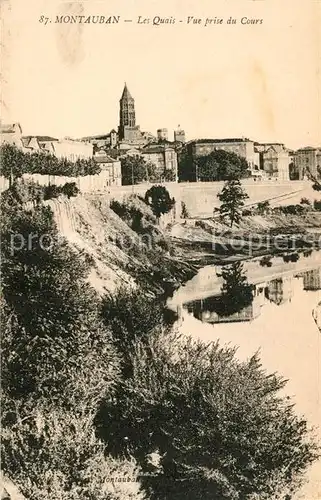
pixel 94 228
pixel 121 257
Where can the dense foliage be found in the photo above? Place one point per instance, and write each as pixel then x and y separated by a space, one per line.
pixel 135 169
pixel 205 425
pixel 219 165
pixel 99 389
pixel 58 361
pixel 159 200
pixel 15 163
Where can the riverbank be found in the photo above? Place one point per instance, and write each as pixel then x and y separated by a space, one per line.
pixel 209 241
pixel 133 250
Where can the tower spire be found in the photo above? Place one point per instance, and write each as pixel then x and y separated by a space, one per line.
pixel 127 116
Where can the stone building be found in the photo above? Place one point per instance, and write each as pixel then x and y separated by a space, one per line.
pixel 35 143
pixel 164 158
pixel 241 146
pixel 275 160
pixel 103 141
pixel 307 160
pixel 129 133
pixel 179 135
pixel 110 167
pixel 162 134
pixel 70 149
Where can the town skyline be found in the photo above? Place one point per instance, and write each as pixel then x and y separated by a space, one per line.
pixel 115 126
pixel 211 82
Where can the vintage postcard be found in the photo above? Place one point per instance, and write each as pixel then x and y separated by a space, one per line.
pixel 160 250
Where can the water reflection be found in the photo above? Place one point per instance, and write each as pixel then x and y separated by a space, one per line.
pixel 281 324
pixel 278 291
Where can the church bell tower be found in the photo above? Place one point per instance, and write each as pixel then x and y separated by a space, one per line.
pixel 127 116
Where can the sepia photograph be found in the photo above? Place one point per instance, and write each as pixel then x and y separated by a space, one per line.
pixel 160 250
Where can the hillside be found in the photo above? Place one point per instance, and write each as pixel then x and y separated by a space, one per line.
pixel 120 256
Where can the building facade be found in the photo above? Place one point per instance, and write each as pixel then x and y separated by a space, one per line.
pixel 72 150
pixel 307 160
pixel 110 168
pixel 102 141
pixel 129 133
pixel 164 158
pixel 162 134
pixel 275 160
pixel 241 146
pixel 179 135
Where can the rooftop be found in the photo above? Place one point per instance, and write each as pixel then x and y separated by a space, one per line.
pixel 155 148
pixel 126 94
pixel 9 128
pixel 229 139
pixel 40 138
pixel 104 159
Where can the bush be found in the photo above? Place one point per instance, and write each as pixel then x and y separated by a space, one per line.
pixel 317 205
pixel 266 261
pixel 52 191
pixel 263 207
pixel 291 209
pixel 184 211
pixel 56 455
pixel 70 189
pixel 219 427
pixel 305 201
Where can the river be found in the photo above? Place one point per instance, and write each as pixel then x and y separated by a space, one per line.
pixel 281 324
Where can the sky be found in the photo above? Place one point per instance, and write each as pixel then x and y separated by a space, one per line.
pixel 260 81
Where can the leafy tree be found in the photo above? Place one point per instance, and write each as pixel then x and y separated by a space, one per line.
pixel 221 165
pixel 218 427
pixel 58 361
pixel 70 189
pixel 232 201
pixel 135 169
pixel 12 162
pixel 263 207
pixel 51 308
pixel 186 167
pixel 159 200
pixel 236 292
pixel 15 162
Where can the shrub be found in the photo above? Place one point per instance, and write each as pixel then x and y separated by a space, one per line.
pixel 263 207
pixel 291 209
pixel 292 257
pixel 219 427
pixel 305 201
pixel 52 191
pixel 266 261
pixel 317 205
pixel 70 189
pixel 184 211
pixel 56 455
